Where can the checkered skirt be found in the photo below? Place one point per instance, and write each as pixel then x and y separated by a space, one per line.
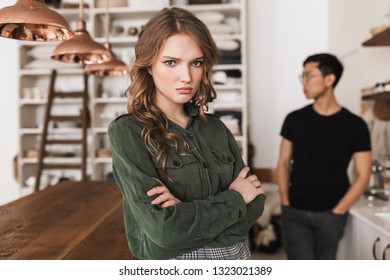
pixel 239 251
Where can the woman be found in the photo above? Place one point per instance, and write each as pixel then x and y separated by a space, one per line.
pixel 186 191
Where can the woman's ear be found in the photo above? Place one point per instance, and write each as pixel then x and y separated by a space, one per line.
pixel 149 71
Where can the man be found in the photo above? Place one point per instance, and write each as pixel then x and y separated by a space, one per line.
pixel 318 142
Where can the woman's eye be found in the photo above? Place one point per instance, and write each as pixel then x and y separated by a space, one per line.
pixel 197 63
pixel 170 63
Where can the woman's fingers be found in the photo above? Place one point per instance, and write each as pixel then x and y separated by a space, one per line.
pixel 169 203
pixel 157 190
pixel 161 198
pixel 164 199
pixel 243 172
pixel 260 190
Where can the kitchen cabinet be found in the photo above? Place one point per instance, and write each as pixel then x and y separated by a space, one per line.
pixel 107 95
pixel 365 242
pixel 366 237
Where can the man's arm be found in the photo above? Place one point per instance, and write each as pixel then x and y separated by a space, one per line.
pixel 282 169
pixel 362 164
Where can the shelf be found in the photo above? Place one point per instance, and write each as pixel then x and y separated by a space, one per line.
pixel 227 67
pixel 225 106
pixel 102 160
pixel 220 87
pixel 33 131
pixel 97 130
pixel 229 9
pixel 106 94
pixel 129 13
pixel 377 96
pixel 28 101
pixel 381 39
pixel 123 41
pixel 111 100
pixel 47 71
pixel 57 160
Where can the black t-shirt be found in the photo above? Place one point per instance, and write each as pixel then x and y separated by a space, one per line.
pixel 322 149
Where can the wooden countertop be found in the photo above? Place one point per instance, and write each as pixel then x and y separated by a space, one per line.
pixel 71 220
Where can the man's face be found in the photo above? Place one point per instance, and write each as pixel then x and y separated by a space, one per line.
pixel 314 83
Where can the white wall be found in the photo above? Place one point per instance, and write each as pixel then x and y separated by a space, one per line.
pixel 281 34
pixel 9 120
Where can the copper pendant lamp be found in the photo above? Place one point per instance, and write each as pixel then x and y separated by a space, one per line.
pixel 32 20
pixel 114 67
pixel 81 48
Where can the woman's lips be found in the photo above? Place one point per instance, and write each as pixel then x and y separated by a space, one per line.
pixel 184 90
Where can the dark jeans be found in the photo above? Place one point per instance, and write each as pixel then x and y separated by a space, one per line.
pixel 311 235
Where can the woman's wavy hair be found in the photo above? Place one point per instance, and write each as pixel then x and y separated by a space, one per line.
pixel 142 91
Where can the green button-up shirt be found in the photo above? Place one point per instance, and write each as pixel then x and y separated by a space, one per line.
pixel 209 215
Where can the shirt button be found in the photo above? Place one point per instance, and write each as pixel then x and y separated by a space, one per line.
pixel 176 163
pixel 190 136
pixel 205 165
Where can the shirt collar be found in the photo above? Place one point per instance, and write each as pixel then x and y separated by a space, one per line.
pixel 192 110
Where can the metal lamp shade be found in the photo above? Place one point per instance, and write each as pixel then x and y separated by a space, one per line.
pixel 32 20
pixel 81 48
pixel 114 67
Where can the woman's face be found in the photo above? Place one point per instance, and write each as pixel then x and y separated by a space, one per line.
pixel 177 71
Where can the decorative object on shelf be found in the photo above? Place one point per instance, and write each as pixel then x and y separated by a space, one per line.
pixel 73 5
pixel 53 3
pixel 381 109
pixel 118 30
pixel 381 33
pixel 377 88
pixel 81 48
pixel 201 2
pixel 32 20
pixel 132 31
pixel 179 2
pixel 232 120
pixel 106 153
pixel 114 67
pixel 113 3
pixel 385 23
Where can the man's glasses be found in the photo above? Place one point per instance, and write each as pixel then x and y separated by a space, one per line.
pixel 303 78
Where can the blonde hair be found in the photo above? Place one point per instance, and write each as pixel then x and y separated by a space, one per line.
pixel 166 23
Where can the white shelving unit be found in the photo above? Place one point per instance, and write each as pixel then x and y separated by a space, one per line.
pixel 107 98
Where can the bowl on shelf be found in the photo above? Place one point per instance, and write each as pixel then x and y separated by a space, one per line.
pixel 113 3
pixel 378 29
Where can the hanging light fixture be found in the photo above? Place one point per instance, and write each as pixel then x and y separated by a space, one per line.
pixel 81 48
pixel 32 20
pixel 114 67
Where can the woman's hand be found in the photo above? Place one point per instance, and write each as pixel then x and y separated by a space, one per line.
pixel 249 187
pixel 165 199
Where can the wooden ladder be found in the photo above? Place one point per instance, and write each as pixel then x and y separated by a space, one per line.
pixel 83 118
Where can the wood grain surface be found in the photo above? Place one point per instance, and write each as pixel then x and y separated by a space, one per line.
pixel 72 220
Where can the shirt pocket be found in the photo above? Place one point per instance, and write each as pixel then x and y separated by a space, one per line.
pixel 225 166
pixel 184 172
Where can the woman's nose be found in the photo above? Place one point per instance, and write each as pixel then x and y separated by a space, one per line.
pixel 186 75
